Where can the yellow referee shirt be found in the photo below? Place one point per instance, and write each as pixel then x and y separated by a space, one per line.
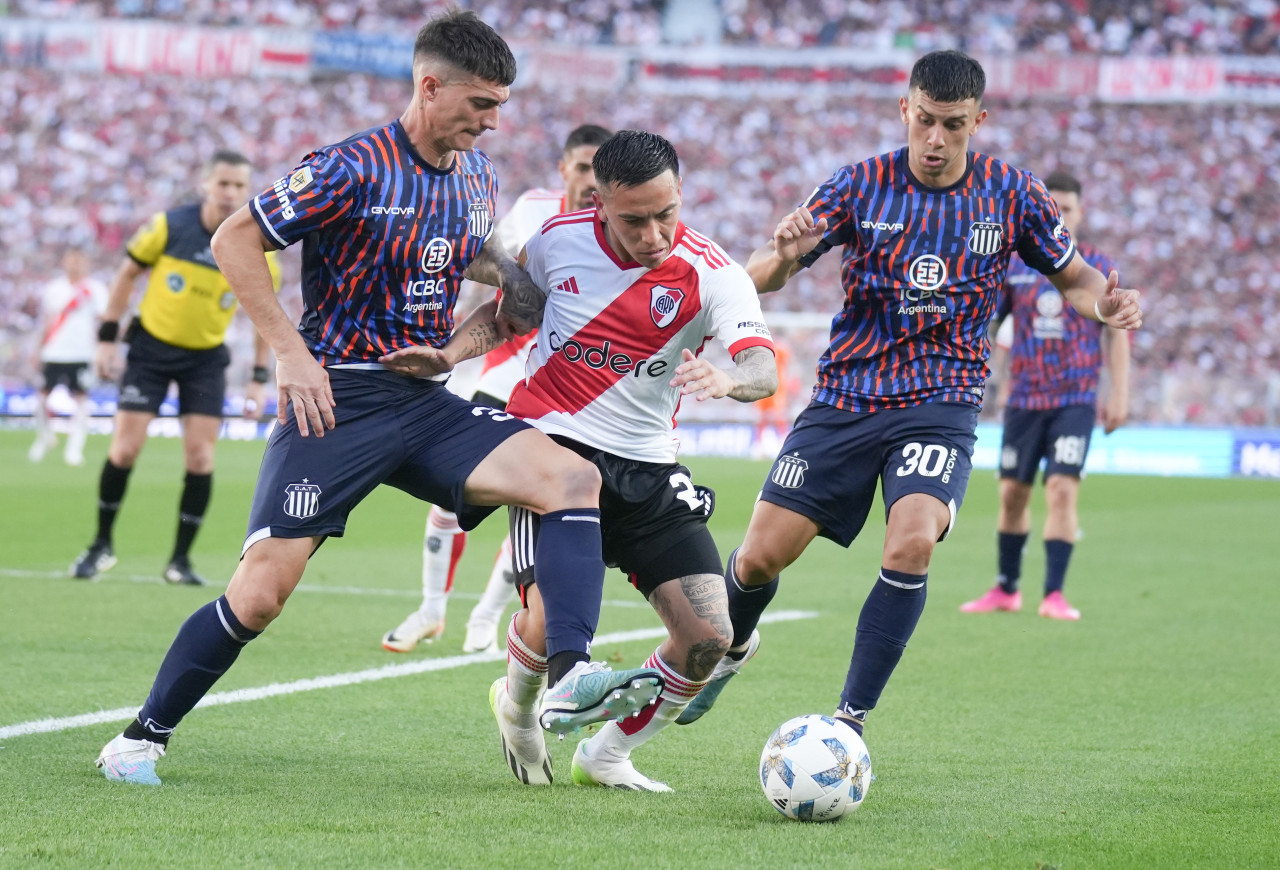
pixel 188 302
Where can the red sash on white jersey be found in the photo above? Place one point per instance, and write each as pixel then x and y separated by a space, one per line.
pixel 628 325
pixel 80 297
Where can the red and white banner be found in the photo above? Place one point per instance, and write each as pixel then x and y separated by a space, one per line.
pixel 1040 77
pixel 1160 79
pixel 155 48
pixel 570 67
pixel 709 72
pixel 1251 79
pixel 141 47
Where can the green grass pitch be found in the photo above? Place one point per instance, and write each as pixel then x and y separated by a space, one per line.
pixel 1143 736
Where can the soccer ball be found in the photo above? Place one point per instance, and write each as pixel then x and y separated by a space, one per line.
pixel 815 769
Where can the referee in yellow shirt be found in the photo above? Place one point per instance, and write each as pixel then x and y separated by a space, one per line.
pixel 177 336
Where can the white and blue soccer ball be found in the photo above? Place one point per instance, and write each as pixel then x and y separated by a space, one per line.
pixel 815 769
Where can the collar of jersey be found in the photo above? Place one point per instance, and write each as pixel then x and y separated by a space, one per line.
pixel 915 182
pixel 631 264
pixel 403 138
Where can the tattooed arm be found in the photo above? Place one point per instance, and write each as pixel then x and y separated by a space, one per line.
pixel 520 311
pixel 754 376
pixel 475 336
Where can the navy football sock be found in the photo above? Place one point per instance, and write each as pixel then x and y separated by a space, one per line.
pixel 888 618
pixel 1057 554
pixel 206 646
pixel 569 572
pixel 1010 564
pixel 746 603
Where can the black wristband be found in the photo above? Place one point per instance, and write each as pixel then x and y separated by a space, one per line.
pixel 109 330
pixel 261 375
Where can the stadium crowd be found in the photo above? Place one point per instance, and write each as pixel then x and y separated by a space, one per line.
pixel 1146 27
pixel 1184 198
pixel 1153 27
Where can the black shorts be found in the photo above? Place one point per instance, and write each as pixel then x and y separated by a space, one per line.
pixel 653 522
pixel 70 374
pixel 153 364
pixel 1058 436
pixel 480 397
pixel 829 464
pixel 408 433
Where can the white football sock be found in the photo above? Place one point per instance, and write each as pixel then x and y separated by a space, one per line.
pixel 526 671
pixel 441 549
pixel 620 740
pixel 79 430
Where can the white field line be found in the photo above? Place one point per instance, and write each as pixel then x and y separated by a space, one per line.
pixel 236 696
pixel 155 580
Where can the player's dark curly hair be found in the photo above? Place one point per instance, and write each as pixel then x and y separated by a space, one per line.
pixel 631 157
pixel 461 39
pixel 949 77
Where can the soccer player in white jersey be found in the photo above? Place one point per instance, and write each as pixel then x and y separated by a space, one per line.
pixel 443 544
pixel 632 297
pixel 69 333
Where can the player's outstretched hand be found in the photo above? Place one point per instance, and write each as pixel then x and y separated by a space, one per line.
pixel 1119 308
pixel 420 361
pixel 698 378
pixel 304 382
pixel 797 234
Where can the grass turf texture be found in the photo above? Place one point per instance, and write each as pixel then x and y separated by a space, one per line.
pixel 1142 736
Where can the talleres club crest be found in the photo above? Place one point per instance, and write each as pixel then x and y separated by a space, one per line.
pixel 664 304
pixel 985 238
pixel 479 222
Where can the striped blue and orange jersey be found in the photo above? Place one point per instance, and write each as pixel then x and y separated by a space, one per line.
pixel 921 270
pixel 1056 353
pixel 385 238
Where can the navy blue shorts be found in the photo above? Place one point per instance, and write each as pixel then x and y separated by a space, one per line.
pixel 829 464
pixel 1059 436
pixel 409 433
pixel 151 364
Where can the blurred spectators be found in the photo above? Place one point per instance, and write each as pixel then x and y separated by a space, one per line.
pixel 1184 198
pixel 619 22
pixel 1145 27
pixel 1153 27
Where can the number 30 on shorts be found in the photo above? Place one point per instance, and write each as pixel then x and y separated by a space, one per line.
pixel 927 460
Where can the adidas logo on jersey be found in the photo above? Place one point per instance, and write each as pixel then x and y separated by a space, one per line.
pixel 569 285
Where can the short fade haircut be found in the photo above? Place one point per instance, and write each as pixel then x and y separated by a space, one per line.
pixel 629 158
pixel 587 134
pixel 1062 180
pixel 949 77
pixel 462 40
pixel 226 157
